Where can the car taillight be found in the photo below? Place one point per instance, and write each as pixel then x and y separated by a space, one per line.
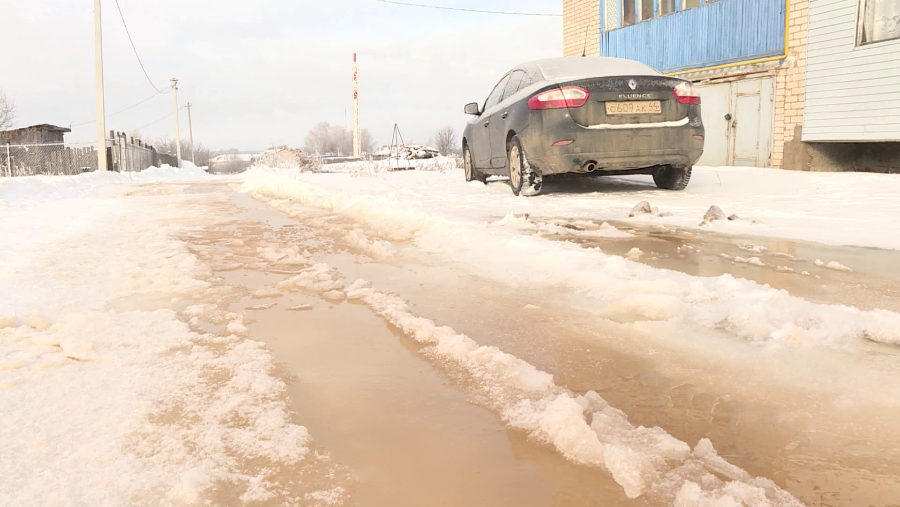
pixel 686 93
pixel 571 96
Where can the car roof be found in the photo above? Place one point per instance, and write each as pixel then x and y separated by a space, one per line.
pixel 575 67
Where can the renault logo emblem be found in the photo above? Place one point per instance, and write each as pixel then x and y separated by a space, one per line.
pixel 632 84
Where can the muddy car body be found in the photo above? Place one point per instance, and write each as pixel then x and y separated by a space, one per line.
pixel 581 116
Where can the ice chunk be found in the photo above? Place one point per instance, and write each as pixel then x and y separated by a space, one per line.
pixel 335 296
pixel 837 266
pixel 11 320
pixel 266 293
pixel 237 327
pixel 752 260
pixel 516 222
pixel 641 208
pixel 634 254
pixel 38 322
pixel 714 213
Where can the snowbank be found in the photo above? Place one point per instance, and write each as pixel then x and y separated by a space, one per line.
pixel 31 189
pixel 856 209
pixel 105 388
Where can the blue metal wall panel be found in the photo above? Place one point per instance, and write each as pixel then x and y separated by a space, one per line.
pixel 716 33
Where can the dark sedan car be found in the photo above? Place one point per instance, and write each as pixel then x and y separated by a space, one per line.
pixel 584 115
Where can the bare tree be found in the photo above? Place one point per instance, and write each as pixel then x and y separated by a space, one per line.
pixel 7 112
pixel 445 140
pixel 326 138
pixel 368 142
pixel 320 139
pixel 167 145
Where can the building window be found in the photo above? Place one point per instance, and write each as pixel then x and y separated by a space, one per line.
pixel 611 9
pixel 690 4
pixel 627 13
pixel 666 7
pixel 646 9
pixel 879 20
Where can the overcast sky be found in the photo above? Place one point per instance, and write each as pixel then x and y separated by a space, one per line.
pixel 263 72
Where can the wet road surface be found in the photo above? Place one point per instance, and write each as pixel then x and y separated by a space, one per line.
pixel 410 435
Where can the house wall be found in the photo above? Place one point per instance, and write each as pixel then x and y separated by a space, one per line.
pixel 788 151
pixel 578 16
pixel 852 92
pixel 720 32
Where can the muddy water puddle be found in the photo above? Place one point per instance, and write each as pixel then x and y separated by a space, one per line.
pixel 409 435
pixel 871 280
pixel 848 459
pixel 796 437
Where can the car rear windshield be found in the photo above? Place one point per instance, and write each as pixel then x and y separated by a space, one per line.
pixel 581 67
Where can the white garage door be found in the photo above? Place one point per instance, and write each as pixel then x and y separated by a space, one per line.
pixel 738 117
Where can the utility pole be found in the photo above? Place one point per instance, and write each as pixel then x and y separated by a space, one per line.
pixel 357 139
pixel 191 131
pixel 101 105
pixel 177 135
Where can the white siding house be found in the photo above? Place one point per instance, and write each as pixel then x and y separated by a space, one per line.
pixel 853 71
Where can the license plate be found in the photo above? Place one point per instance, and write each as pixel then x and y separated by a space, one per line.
pixel 634 107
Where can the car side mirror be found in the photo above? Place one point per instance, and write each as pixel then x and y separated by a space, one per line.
pixel 472 108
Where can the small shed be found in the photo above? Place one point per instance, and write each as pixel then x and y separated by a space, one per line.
pixel 35 134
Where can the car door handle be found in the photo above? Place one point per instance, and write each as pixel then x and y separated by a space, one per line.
pixel 487 123
pixel 503 116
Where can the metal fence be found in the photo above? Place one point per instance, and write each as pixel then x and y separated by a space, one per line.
pixel 47 158
pixel 132 156
pixel 122 155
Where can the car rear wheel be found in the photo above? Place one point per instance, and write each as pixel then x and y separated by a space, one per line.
pixel 472 174
pixel 522 178
pixel 672 178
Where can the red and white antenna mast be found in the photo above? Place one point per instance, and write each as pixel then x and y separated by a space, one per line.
pixel 357 139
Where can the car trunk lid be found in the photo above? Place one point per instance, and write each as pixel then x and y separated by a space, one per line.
pixel 628 101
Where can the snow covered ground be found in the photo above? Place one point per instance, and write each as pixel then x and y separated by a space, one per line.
pixel 124 379
pixel 856 209
pixel 108 397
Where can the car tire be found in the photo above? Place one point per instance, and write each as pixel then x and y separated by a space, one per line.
pixel 672 178
pixel 472 174
pixel 523 179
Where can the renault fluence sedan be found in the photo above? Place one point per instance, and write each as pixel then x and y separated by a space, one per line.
pixel 584 115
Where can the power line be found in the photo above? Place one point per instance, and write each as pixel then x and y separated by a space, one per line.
pixel 159 120
pixel 469 10
pixel 118 112
pixel 135 50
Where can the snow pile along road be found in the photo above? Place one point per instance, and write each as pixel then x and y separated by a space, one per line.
pixel 109 397
pixel 624 290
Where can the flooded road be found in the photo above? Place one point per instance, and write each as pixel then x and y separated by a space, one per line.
pixel 411 433
pixel 866 278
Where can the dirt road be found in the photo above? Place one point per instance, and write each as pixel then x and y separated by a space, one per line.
pixel 411 428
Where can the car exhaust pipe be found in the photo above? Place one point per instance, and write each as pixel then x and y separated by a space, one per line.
pixel 590 166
